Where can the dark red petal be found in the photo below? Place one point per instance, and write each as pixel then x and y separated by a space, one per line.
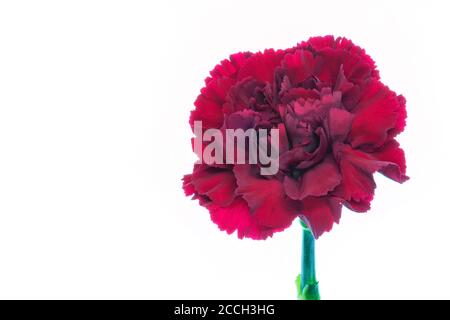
pixel 317 181
pixel 339 124
pixel 389 157
pixel 237 217
pixel 292 187
pixel 318 43
pixel 217 89
pixel 394 155
pixel 245 119
pixel 319 153
pixel 357 184
pixel 265 197
pixel 379 114
pixel 320 214
pixel 208 105
pixel 284 140
pixel 299 65
pixel 292 157
pixel 261 65
pixel 218 185
pixel 358 206
pixel 296 93
pixel 334 53
pixel 356 170
pixel 208 112
pixel 360 159
pixel 188 188
pixel 230 67
pixel 400 124
pixel 342 84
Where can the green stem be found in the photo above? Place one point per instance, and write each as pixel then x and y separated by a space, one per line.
pixel 307 285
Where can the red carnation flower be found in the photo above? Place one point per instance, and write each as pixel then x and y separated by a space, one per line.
pixel 337 126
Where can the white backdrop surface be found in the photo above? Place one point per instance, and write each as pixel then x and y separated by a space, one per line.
pixel 94 139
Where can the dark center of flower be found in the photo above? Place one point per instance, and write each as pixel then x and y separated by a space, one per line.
pixel 313 140
pixel 309 83
pixel 296 173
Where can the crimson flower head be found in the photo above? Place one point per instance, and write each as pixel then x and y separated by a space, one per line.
pixel 336 125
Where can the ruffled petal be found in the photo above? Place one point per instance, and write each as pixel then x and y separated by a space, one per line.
pixel 229 68
pixel 317 181
pixel 320 214
pixel 356 169
pixel 284 140
pixel 261 65
pixel 208 112
pixel 380 114
pixel 265 197
pixel 392 154
pixel 357 184
pixel 237 217
pixel 217 184
pixel 336 52
pixel 339 124
pixel 208 105
pixel 299 66
pixel 245 119
pixel 188 187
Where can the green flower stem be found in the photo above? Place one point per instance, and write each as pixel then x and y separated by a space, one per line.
pixel 307 285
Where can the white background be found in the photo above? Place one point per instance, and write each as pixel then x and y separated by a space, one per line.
pixel 94 139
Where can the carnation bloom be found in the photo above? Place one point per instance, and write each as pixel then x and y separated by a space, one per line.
pixel 337 125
